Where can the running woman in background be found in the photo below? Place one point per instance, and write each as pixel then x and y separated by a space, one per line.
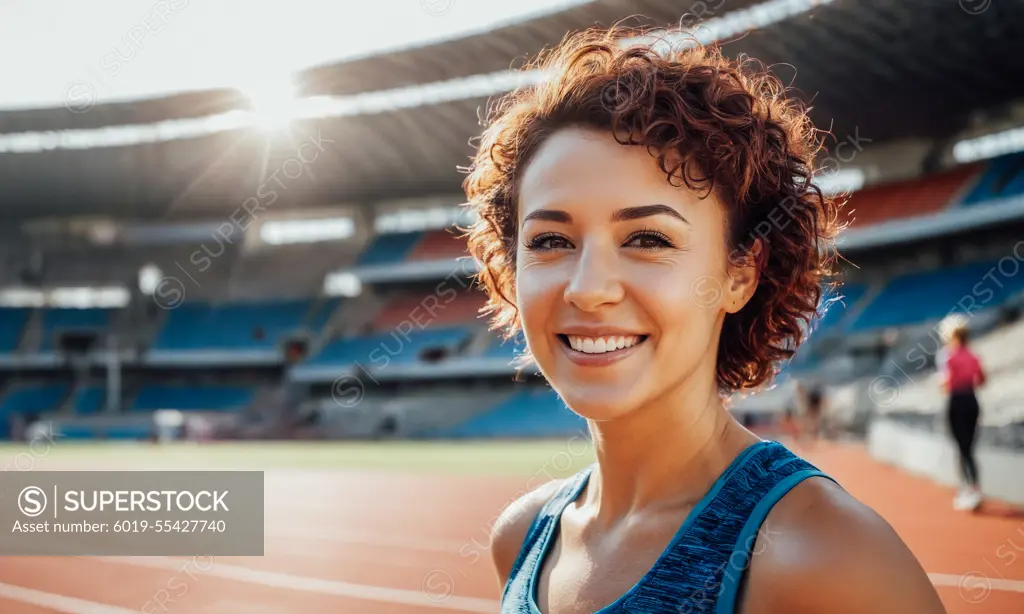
pixel 628 222
pixel 962 375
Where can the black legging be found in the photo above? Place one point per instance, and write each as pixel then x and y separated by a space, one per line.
pixel 963 423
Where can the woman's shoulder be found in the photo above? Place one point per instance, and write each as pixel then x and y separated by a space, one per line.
pixel 820 549
pixel 510 530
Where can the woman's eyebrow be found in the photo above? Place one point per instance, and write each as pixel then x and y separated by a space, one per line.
pixel 634 213
pixel 550 215
pixel 621 215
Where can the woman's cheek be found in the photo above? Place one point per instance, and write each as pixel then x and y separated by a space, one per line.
pixel 705 293
pixel 536 293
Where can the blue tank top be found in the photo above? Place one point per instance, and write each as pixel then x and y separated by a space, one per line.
pixel 700 570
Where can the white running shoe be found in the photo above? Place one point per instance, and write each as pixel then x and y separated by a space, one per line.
pixel 974 499
pixel 960 502
pixel 967 500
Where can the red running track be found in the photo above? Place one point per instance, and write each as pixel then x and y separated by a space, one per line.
pixel 413 544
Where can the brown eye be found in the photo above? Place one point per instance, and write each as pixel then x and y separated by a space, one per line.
pixel 648 240
pixel 548 241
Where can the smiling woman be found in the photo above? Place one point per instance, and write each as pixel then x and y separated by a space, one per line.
pixel 646 217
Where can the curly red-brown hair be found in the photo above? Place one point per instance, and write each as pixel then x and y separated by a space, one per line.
pixel 713 124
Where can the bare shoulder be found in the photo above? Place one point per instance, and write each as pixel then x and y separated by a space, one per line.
pixel 510 529
pixel 821 550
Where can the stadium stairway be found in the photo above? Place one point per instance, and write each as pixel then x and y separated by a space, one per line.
pixel 32 333
pixel 481 342
pixel 355 317
pixel 321 313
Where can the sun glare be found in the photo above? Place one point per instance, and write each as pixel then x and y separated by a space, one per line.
pixel 273 101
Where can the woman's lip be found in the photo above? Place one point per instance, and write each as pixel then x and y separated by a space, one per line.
pixel 598 360
pixel 579 331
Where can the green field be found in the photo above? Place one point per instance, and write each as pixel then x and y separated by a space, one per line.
pixel 557 458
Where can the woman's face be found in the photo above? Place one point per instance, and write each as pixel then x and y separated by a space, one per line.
pixel 622 280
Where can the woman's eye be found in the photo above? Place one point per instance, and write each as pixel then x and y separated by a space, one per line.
pixel 648 240
pixel 544 242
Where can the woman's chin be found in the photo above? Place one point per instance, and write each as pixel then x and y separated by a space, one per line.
pixel 599 405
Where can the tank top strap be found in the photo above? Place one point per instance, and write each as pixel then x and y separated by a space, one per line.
pixel 776 472
pixel 701 570
pixel 527 565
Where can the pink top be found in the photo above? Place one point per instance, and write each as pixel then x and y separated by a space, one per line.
pixel 963 370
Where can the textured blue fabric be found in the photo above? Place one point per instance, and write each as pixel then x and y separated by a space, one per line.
pixel 700 570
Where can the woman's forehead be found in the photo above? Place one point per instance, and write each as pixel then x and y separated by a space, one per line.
pixel 585 168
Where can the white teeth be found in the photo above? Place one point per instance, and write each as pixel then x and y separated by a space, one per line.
pixel 600 345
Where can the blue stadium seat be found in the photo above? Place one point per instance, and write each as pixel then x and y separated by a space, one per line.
pixel 390 347
pixel 528 413
pixel 86 431
pixel 193 398
pixel 198 326
pixel 76 431
pixel 931 295
pixel 128 431
pixel 90 400
pixel 1003 178
pixel 30 398
pixel 848 295
pixel 12 326
pixel 389 248
pixel 502 348
pixel 33 398
pixel 57 319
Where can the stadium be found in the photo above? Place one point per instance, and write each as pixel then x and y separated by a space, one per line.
pixel 274 279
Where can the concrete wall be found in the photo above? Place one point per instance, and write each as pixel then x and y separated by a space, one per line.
pixel 934 455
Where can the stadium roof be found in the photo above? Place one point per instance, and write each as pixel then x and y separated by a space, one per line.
pixel 871 69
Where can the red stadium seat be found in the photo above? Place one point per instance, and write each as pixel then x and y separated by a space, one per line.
pixel 438 245
pixel 905 199
pixel 430 310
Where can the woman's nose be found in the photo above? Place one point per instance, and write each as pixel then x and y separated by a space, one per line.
pixel 595 279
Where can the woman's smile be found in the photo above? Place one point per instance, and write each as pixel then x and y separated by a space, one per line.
pixel 600 351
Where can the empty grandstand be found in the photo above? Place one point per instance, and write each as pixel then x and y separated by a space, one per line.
pixel 316 284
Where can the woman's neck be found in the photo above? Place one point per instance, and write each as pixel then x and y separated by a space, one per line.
pixel 665 454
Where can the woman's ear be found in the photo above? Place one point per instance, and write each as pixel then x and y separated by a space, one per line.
pixel 744 274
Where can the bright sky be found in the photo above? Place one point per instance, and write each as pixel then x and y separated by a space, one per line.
pixel 129 49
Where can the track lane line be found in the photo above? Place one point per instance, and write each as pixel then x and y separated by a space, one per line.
pixel 995 584
pixel 334 588
pixel 59 603
pixel 444 546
